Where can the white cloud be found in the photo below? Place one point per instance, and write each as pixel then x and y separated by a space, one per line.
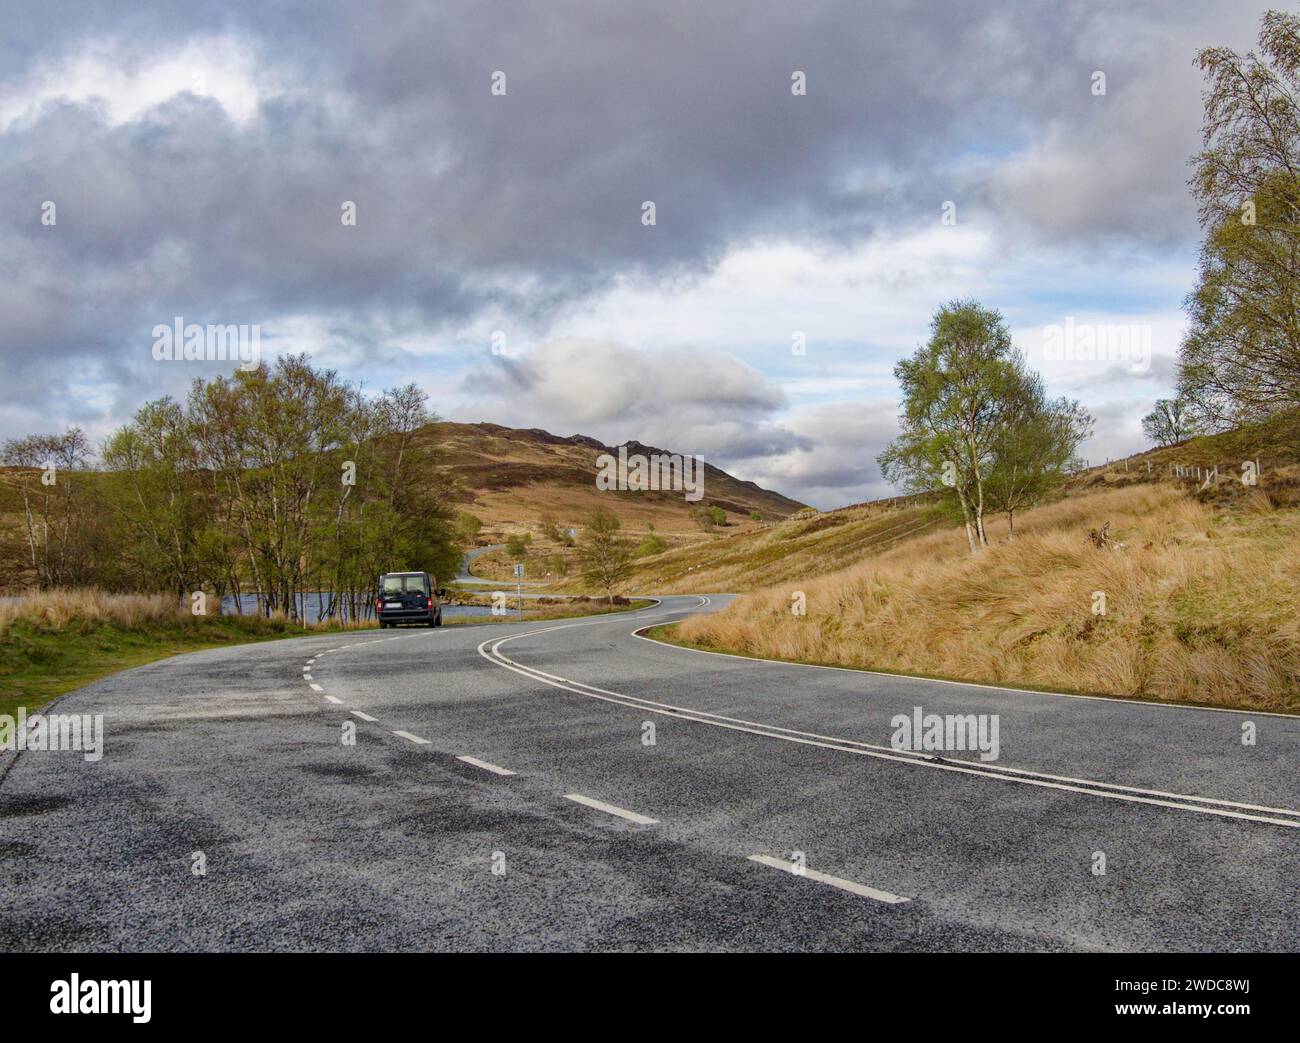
pixel 128 81
pixel 811 425
pixel 685 401
pixel 837 463
pixel 759 294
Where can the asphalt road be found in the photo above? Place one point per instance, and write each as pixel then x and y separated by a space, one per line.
pixel 391 843
pixel 465 576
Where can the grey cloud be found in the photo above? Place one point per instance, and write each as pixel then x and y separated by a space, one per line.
pixel 526 203
pixel 835 462
pixel 684 400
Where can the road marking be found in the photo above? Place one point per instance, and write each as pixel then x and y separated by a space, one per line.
pixel 494 768
pixel 414 738
pixel 833 881
pixel 306 676
pixel 610 809
pixel 1088 787
pixel 364 716
pixel 317 688
pixel 336 702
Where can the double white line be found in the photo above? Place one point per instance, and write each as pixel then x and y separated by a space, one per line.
pixel 1290 818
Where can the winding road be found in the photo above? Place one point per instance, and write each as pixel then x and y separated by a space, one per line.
pixel 574 785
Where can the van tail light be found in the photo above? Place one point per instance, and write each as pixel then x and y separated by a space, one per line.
pixel 379 603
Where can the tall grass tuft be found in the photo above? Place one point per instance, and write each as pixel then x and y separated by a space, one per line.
pixel 1200 605
pixel 60 609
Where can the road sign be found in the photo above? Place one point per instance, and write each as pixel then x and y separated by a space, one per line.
pixel 519 571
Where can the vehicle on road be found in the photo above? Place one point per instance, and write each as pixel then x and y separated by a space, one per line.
pixel 408 597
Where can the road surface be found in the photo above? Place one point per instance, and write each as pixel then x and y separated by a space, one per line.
pixel 502 794
pixel 465 576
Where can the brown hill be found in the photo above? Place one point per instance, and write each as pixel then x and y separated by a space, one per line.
pixel 513 477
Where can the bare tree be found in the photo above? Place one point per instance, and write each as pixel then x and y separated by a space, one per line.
pixel 55 516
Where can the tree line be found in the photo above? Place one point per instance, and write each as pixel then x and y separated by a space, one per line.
pixel 270 483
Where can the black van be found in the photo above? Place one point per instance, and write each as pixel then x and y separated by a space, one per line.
pixel 408 597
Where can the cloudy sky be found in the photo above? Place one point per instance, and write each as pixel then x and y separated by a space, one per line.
pixel 199 157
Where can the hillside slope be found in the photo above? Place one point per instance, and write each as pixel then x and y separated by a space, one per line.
pixel 1201 598
pixel 1274 446
pixel 801 548
pixel 1201 604
pixel 512 477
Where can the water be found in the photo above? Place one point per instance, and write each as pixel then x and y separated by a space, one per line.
pixel 313 604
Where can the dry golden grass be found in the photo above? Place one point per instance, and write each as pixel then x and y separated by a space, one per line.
pixel 56 609
pixel 737 559
pixel 1201 605
pixel 59 609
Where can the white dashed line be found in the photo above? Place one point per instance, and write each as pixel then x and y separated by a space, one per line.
pixel 610 809
pixel 306 676
pixel 317 688
pixel 331 699
pixel 364 716
pixel 414 738
pixel 833 881
pixel 495 769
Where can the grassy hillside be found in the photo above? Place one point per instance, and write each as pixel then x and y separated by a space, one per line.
pixel 1202 598
pixel 796 548
pixel 512 477
pixel 1202 603
pixel 801 548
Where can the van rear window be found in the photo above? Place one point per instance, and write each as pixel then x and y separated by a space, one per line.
pixel 404 584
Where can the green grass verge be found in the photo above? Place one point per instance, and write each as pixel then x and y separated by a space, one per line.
pixel 40 663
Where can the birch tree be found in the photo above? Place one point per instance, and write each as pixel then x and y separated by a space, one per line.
pixel 956 389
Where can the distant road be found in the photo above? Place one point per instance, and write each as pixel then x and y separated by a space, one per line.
pixel 465 576
pixel 633 795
